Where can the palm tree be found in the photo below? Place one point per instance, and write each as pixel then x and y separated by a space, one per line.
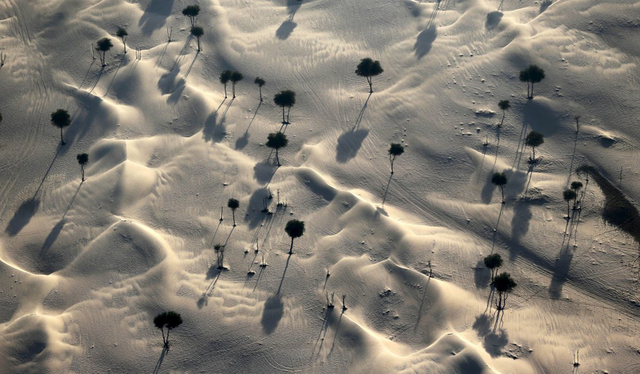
pixel 493 262
pixel 285 99
pixel 504 284
pixel 170 320
pixel 235 78
pixel 233 204
pixel 533 74
pixel 394 151
pixel 102 46
pixel 368 68
pixel 499 179
pixel 225 76
pixel 294 229
pixel 61 118
pixel 260 82
pixel 569 195
pixel 504 105
pixel 122 34
pixel 83 159
pixel 197 31
pixel 192 12
pixel 533 140
pixel 277 140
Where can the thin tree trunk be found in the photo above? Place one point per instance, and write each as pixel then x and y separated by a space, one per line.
pixel 503 114
pixel 533 149
pixel 531 91
pixel 277 158
pixel 283 121
pixel 291 248
pixel 82 168
pixel 391 159
pixel 61 138
pixel 164 341
pixel 260 88
pixel 370 84
pixel 502 192
pixel 225 90
pixel 288 113
pixel 233 89
pixel 199 46
pixel 568 212
pixel 167 342
pixel 233 213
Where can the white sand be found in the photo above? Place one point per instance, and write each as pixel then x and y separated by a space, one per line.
pixel 86 267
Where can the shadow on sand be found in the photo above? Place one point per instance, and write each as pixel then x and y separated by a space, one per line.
pixel 155 15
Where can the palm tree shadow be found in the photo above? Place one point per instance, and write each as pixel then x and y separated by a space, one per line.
pixel 244 140
pixel 425 40
pixel 482 275
pixel 335 336
pixel 493 19
pixel 264 171
pixel 214 274
pixel 386 190
pixel 57 229
pixel 520 221
pixel 424 296
pixel 86 74
pixel 286 28
pixel 349 143
pixel 186 74
pixel 114 75
pixel 561 271
pixel 165 351
pixel 22 216
pixel 272 313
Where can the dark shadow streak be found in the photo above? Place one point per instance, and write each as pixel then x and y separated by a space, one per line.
pixel 156 369
pixel 386 190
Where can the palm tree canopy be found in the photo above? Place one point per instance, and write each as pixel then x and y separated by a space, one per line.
pixel 259 81
pixel 191 11
pixel 225 76
pixel 575 185
pixel 396 149
pixel 504 104
pixel 536 74
pixel 160 320
pixel 233 204
pixel 277 140
pixel 504 283
pixel 82 158
pixel 294 228
pixel 493 261
pixel 60 118
pixel 534 139
pixel 499 179
pixel 285 98
pixel 369 68
pixel 236 76
pixel 569 195
pixel 197 31
pixel 104 45
pixel 122 32
pixel 173 320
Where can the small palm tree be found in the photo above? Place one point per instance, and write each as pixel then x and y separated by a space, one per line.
pixel 493 263
pixel 83 159
pixel 233 204
pixel 225 77
pixel 568 195
pixel 122 34
pixel 499 179
pixel 504 284
pixel 197 31
pixel 285 99
pixel 61 119
pixel 191 11
pixel 260 82
pixel 235 78
pixel 169 320
pixel 277 140
pixel 395 150
pixel 368 68
pixel 102 46
pixel 534 139
pixel 533 74
pixel 294 229
pixel 504 105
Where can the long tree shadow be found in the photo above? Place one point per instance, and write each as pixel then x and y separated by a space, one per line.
pixel 57 229
pixel 424 297
pixel 386 190
pixel 264 171
pixel 165 351
pixel 186 74
pixel 493 19
pixel 425 40
pixel 210 123
pixel 358 121
pixel 335 336
pixel 521 217
pixel 244 140
pixel 86 74
pixel 114 75
pixel 286 29
pixel 560 271
pixel 573 156
pixel 155 15
pixel 214 274
pixel 349 143
pixel 274 307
